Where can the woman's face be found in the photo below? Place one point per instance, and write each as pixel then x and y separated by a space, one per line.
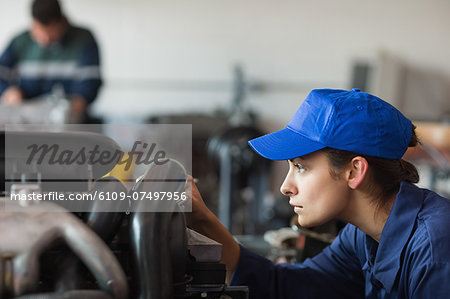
pixel 315 194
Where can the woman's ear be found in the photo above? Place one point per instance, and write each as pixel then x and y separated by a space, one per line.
pixel 357 171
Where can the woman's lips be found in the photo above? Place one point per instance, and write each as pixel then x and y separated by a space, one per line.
pixel 298 209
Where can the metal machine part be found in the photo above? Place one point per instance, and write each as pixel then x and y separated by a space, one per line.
pixel 160 269
pixel 168 270
pixel 103 222
pixel 85 294
pixel 239 167
pixel 202 248
pixel 33 232
pixel 17 160
pixel 71 275
pixel 154 245
pixel 28 231
pixel 45 110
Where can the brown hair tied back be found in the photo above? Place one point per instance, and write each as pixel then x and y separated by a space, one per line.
pixel 387 173
pixel 410 173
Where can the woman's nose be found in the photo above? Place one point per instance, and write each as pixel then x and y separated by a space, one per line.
pixel 288 187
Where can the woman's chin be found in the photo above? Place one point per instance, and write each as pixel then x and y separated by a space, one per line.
pixel 308 222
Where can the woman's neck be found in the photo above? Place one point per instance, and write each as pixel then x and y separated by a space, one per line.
pixel 368 216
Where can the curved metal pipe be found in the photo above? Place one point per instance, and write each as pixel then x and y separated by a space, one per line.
pixel 24 240
pixel 159 241
pixel 103 219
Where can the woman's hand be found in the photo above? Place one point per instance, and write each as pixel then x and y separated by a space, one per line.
pixel 200 214
pixel 202 220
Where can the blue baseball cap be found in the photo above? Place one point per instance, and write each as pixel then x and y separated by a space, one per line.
pixel 353 121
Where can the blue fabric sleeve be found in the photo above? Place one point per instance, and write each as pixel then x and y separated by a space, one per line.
pixel 334 273
pixel 7 63
pixel 88 83
pixel 431 281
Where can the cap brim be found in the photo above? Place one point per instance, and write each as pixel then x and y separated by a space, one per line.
pixel 284 145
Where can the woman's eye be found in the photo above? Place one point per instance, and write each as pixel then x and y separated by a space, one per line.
pixel 300 168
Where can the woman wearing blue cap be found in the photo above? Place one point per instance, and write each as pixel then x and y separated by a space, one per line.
pixel 344 150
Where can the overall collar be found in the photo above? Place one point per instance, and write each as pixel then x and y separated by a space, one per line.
pixel 396 233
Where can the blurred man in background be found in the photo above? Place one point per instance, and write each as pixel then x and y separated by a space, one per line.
pixel 51 53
